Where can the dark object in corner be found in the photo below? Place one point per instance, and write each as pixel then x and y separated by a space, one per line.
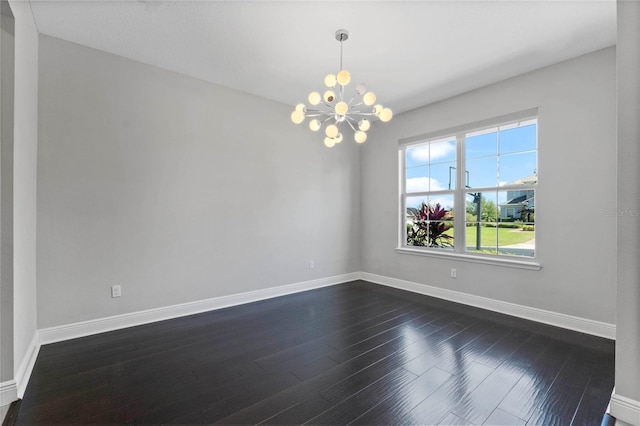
pixel 10 418
pixel 607 420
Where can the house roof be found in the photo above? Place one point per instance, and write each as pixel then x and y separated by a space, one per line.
pixel 515 201
pixel 527 180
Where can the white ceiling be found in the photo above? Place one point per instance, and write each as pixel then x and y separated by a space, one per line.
pixel 410 53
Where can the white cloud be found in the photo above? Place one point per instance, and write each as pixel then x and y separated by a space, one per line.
pixel 442 149
pixel 439 150
pixel 422 184
pixel 420 154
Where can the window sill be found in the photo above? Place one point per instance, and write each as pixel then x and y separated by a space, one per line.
pixel 511 263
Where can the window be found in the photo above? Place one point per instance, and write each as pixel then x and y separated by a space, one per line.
pixel 471 190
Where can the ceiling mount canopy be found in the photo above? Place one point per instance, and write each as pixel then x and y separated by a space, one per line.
pixel 337 110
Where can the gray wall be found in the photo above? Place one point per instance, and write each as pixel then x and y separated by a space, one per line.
pixel 25 144
pixel 24 184
pixel 628 307
pixel 176 189
pixel 7 64
pixel 576 240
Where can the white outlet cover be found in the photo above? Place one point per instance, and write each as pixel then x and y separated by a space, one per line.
pixel 116 291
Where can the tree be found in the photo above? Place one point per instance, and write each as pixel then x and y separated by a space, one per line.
pixel 488 211
pixel 428 227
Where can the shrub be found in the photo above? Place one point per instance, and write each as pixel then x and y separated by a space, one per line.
pixel 427 228
pixel 509 225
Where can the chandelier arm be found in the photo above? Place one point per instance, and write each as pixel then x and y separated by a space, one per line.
pixel 327 114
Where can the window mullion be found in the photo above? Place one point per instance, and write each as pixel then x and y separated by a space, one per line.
pixel 459 197
pixel 403 197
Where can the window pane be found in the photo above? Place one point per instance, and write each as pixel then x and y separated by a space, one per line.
pixel 517 205
pixel 516 236
pixel 516 241
pixel 482 172
pixel 417 156
pixel 518 139
pixel 431 166
pixel 443 176
pixel 416 202
pixel 442 151
pixel 481 207
pixel 482 237
pixel 519 169
pixel 481 145
pixel 441 234
pixel 430 221
pixel 417 179
pixel 481 216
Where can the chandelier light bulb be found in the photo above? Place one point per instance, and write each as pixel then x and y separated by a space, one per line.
pixel 300 107
pixel 369 98
pixel 329 96
pixel 314 98
pixel 329 142
pixel 385 115
pixel 331 131
pixel 330 80
pixel 343 77
pixel 297 117
pixel 342 108
pixel 364 125
pixel 360 88
pixel 338 138
pixel 360 136
pixel 377 110
pixel 315 125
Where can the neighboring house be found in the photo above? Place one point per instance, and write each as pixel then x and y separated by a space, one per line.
pixel 517 201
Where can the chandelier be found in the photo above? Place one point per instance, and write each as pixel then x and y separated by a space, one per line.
pixel 337 111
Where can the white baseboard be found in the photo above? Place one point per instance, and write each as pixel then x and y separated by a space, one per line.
pixel 26 365
pixel 101 325
pixel 8 392
pixel 625 409
pixel 570 322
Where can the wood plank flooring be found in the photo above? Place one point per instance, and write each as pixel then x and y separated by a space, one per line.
pixel 356 353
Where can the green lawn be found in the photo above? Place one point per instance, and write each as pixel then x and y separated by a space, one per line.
pixel 488 236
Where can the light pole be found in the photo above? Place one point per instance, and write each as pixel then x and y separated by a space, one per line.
pixel 477 198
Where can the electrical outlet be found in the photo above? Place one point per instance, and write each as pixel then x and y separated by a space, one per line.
pixel 453 272
pixel 116 291
pixel 311 264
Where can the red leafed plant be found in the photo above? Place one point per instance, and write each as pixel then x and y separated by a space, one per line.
pixel 428 227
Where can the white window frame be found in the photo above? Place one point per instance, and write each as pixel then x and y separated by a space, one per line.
pixel 459 252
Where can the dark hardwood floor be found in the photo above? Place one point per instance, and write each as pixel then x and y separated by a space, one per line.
pixel 356 353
